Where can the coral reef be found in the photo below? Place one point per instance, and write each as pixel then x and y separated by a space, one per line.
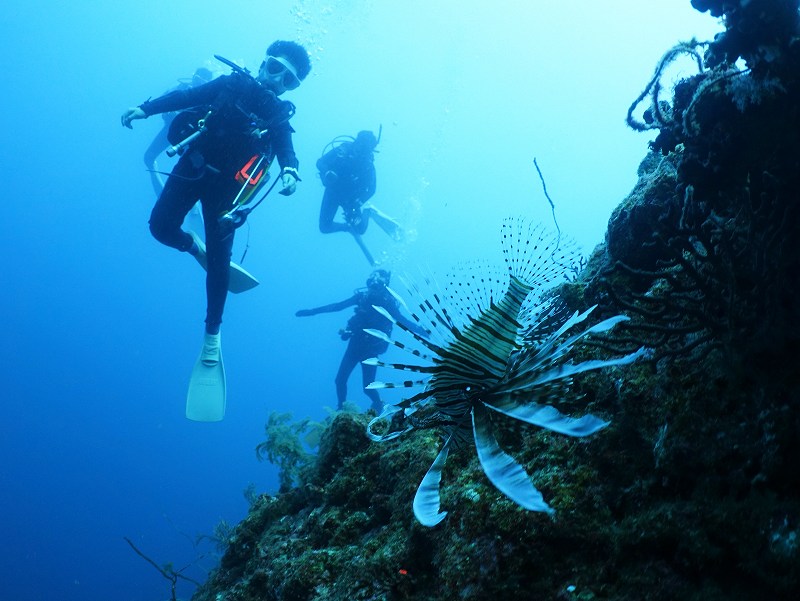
pixel 703 249
pixel 691 492
pixel 284 448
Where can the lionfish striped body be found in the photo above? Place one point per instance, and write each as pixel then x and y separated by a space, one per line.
pixel 478 354
pixel 484 356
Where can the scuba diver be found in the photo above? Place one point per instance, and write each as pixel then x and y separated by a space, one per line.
pixel 360 345
pixel 161 141
pixel 347 172
pixel 229 132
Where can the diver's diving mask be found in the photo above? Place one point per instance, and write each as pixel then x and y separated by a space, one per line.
pixel 280 69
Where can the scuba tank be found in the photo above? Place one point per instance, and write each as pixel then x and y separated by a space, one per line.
pixel 341 139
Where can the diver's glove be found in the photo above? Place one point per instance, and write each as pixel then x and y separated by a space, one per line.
pixel 132 113
pixel 289 179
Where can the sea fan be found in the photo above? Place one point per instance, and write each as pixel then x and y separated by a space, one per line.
pixel 492 345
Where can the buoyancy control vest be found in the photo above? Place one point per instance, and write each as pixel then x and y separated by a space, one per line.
pixel 237 124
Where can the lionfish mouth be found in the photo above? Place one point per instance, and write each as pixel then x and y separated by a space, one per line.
pixel 493 345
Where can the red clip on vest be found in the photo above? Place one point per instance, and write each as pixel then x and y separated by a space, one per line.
pixel 244 175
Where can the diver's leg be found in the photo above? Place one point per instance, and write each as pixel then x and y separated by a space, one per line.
pixel 327 212
pixel 177 198
pixel 219 244
pixel 346 367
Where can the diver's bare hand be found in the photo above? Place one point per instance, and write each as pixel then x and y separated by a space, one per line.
pixel 288 181
pixel 132 113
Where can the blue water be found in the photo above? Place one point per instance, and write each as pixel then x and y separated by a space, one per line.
pixel 103 324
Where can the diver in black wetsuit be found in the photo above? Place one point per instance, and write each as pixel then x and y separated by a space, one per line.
pixel 361 345
pixel 243 118
pixel 348 174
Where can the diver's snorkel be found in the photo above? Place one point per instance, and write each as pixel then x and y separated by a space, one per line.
pixel 242 71
pixel 234 66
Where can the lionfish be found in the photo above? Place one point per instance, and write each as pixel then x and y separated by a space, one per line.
pixel 492 345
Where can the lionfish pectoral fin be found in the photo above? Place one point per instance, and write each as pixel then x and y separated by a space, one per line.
pixel 607 324
pixel 377 385
pixel 570 369
pixel 551 418
pixel 501 469
pixel 566 346
pixel 421 339
pixel 531 377
pixel 403 304
pixel 377 334
pixel 545 350
pixel 385 338
pixel 400 300
pixel 385 313
pixel 426 501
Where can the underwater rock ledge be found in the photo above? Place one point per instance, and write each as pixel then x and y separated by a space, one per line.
pixel 662 505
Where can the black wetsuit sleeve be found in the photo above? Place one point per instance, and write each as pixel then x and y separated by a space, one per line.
pixel 349 302
pixel 281 137
pixel 326 161
pixel 178 100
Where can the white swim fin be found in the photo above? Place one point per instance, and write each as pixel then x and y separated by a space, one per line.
pixel 205 401
pixel 386 223
pixel 240 279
